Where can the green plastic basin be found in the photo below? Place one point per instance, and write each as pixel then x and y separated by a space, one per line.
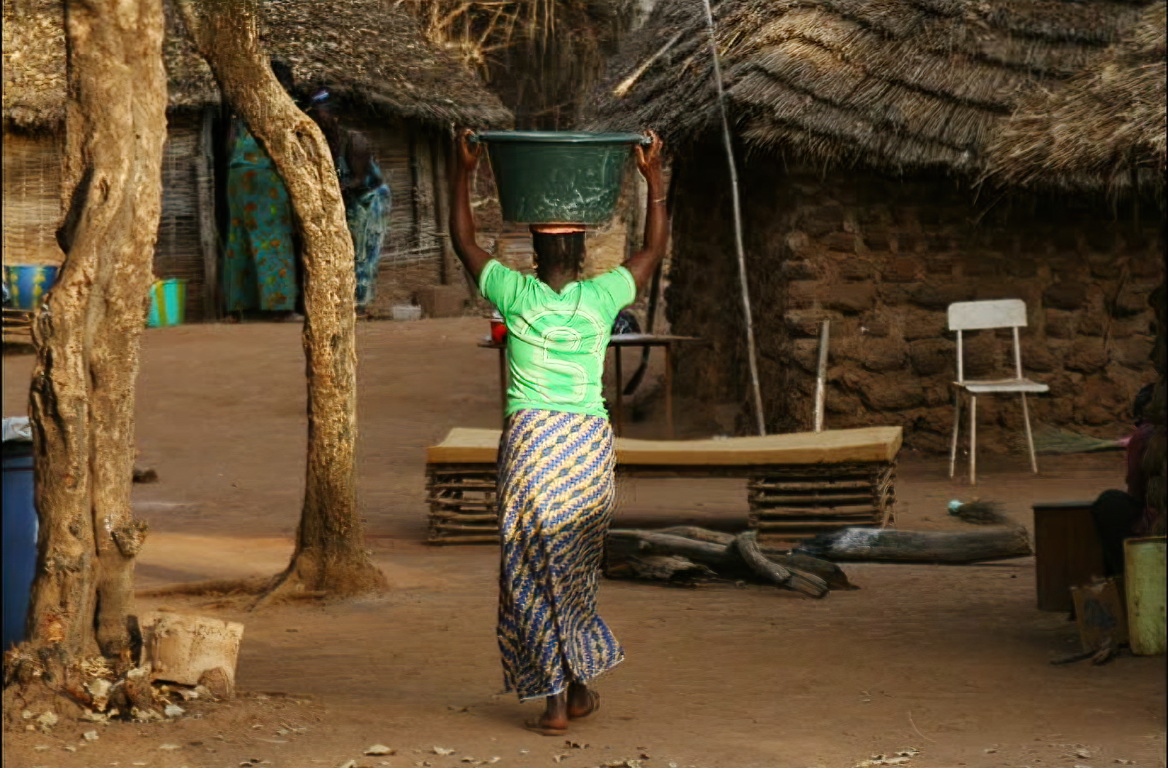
pixel 558 177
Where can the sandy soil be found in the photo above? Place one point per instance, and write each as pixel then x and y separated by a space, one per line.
pixel 951 661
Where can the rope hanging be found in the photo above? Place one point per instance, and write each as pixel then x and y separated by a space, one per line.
pixel 752 355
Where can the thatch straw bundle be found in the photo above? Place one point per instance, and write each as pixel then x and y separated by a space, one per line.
pixel 371 51
pixel 894 84
pixel 541 56
pixel 1105 129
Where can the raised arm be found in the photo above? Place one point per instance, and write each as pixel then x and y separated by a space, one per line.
pixel 462 226
pixel 643 263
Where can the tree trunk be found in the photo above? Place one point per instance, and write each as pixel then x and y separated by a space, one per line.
pixel 87 335
pixel 898 546
pixel 330 553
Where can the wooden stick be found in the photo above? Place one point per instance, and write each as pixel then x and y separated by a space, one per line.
pixel 740 248
pixel 821 375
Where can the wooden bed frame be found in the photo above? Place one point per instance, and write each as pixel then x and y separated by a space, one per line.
pixel 798 485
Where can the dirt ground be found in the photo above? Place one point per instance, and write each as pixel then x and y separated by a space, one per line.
pixel 951 661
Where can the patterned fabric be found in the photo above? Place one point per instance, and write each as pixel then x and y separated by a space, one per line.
pixel 556 495
pixel 367 212
pixel 259 263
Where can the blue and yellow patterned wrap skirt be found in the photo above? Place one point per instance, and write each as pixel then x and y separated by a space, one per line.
pixel 556 498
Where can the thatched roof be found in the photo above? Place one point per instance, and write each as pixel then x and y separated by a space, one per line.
pixel 894 84
pixel 369 50
pixel 1105 129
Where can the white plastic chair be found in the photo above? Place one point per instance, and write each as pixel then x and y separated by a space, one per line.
pixel 984 315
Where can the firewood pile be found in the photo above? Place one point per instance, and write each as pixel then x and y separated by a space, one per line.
pixel 688 556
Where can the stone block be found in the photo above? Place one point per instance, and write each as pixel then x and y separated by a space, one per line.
pixel 878 240
pixel 1021 267
pixel 921 324
pixel 806 354
pixel 940 266
pixel 982 264
pixel 1146 264
pixel 874 327
pixel 802 294
pixel 804 323
pixel 982 356
pixel 908 242
pixel 1101 238
pixel 843 242
pixel 1094 323
pixel 838 401
pixel 442 300
pixel 798 269
pixel 850 298
pixel 1133 352
pixel 1130 302
pixel 1086 355
pixel 892 393
pixel 902 269
pixel 821 220
pixel 856 269
pixel 799 243
pixel 1060 324
pixel 1104 266
pixel 940 295
pixel 932 356
pixel 1065 295
pixel 881 355
pixel 1037 356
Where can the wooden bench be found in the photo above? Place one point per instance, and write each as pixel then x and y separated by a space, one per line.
pixel 798 485
pixel 17 327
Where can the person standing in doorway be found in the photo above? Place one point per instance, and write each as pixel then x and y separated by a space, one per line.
pixel 260 269
pixel 366 195
pixel 556 459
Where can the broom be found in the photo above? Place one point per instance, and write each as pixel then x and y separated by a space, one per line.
pixel 1050 440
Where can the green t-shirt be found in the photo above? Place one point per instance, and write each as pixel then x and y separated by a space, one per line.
pixel 556 341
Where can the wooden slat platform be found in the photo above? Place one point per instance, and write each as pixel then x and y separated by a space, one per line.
pixel 799 485
pixel 17 328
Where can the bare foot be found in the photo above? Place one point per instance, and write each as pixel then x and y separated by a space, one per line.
pixel 554 720
pixel 582 702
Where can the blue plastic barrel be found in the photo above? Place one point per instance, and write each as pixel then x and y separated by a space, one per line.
pixel 168 303
pixel 28 284
pixel 19 538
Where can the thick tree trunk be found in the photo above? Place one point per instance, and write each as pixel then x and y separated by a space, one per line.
pixel 330 553
pixel 87 334
pixel 898 546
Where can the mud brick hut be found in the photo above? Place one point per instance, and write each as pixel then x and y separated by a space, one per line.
pixel 863 130
pixel 1105 132
pixel 400 90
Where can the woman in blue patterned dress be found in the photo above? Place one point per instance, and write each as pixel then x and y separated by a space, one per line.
pixel 366 195
pixel 556 459
pixel 260 270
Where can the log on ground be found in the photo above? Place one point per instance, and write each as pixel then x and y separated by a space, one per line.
pixel 901 546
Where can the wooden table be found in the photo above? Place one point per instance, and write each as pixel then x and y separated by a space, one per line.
pixel 617 342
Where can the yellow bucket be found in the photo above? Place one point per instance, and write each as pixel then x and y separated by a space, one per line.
pixel 1144 577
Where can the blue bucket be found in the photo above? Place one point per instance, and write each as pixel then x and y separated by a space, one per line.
pixel 28 284
pixel 168 303
pixel 19 539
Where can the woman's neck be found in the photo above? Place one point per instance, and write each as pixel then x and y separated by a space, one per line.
pixel 557 279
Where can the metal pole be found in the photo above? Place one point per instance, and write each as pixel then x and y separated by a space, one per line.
pixel 821 375
pixel 752 356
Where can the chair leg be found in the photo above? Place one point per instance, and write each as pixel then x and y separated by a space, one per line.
pixel 973 439
pixel 956 429
pixel 1029 435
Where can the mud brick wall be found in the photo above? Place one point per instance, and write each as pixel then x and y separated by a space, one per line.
pixel 882 259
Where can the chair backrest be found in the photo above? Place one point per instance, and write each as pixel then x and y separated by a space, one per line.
pixel 983 315
pixel 979 315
